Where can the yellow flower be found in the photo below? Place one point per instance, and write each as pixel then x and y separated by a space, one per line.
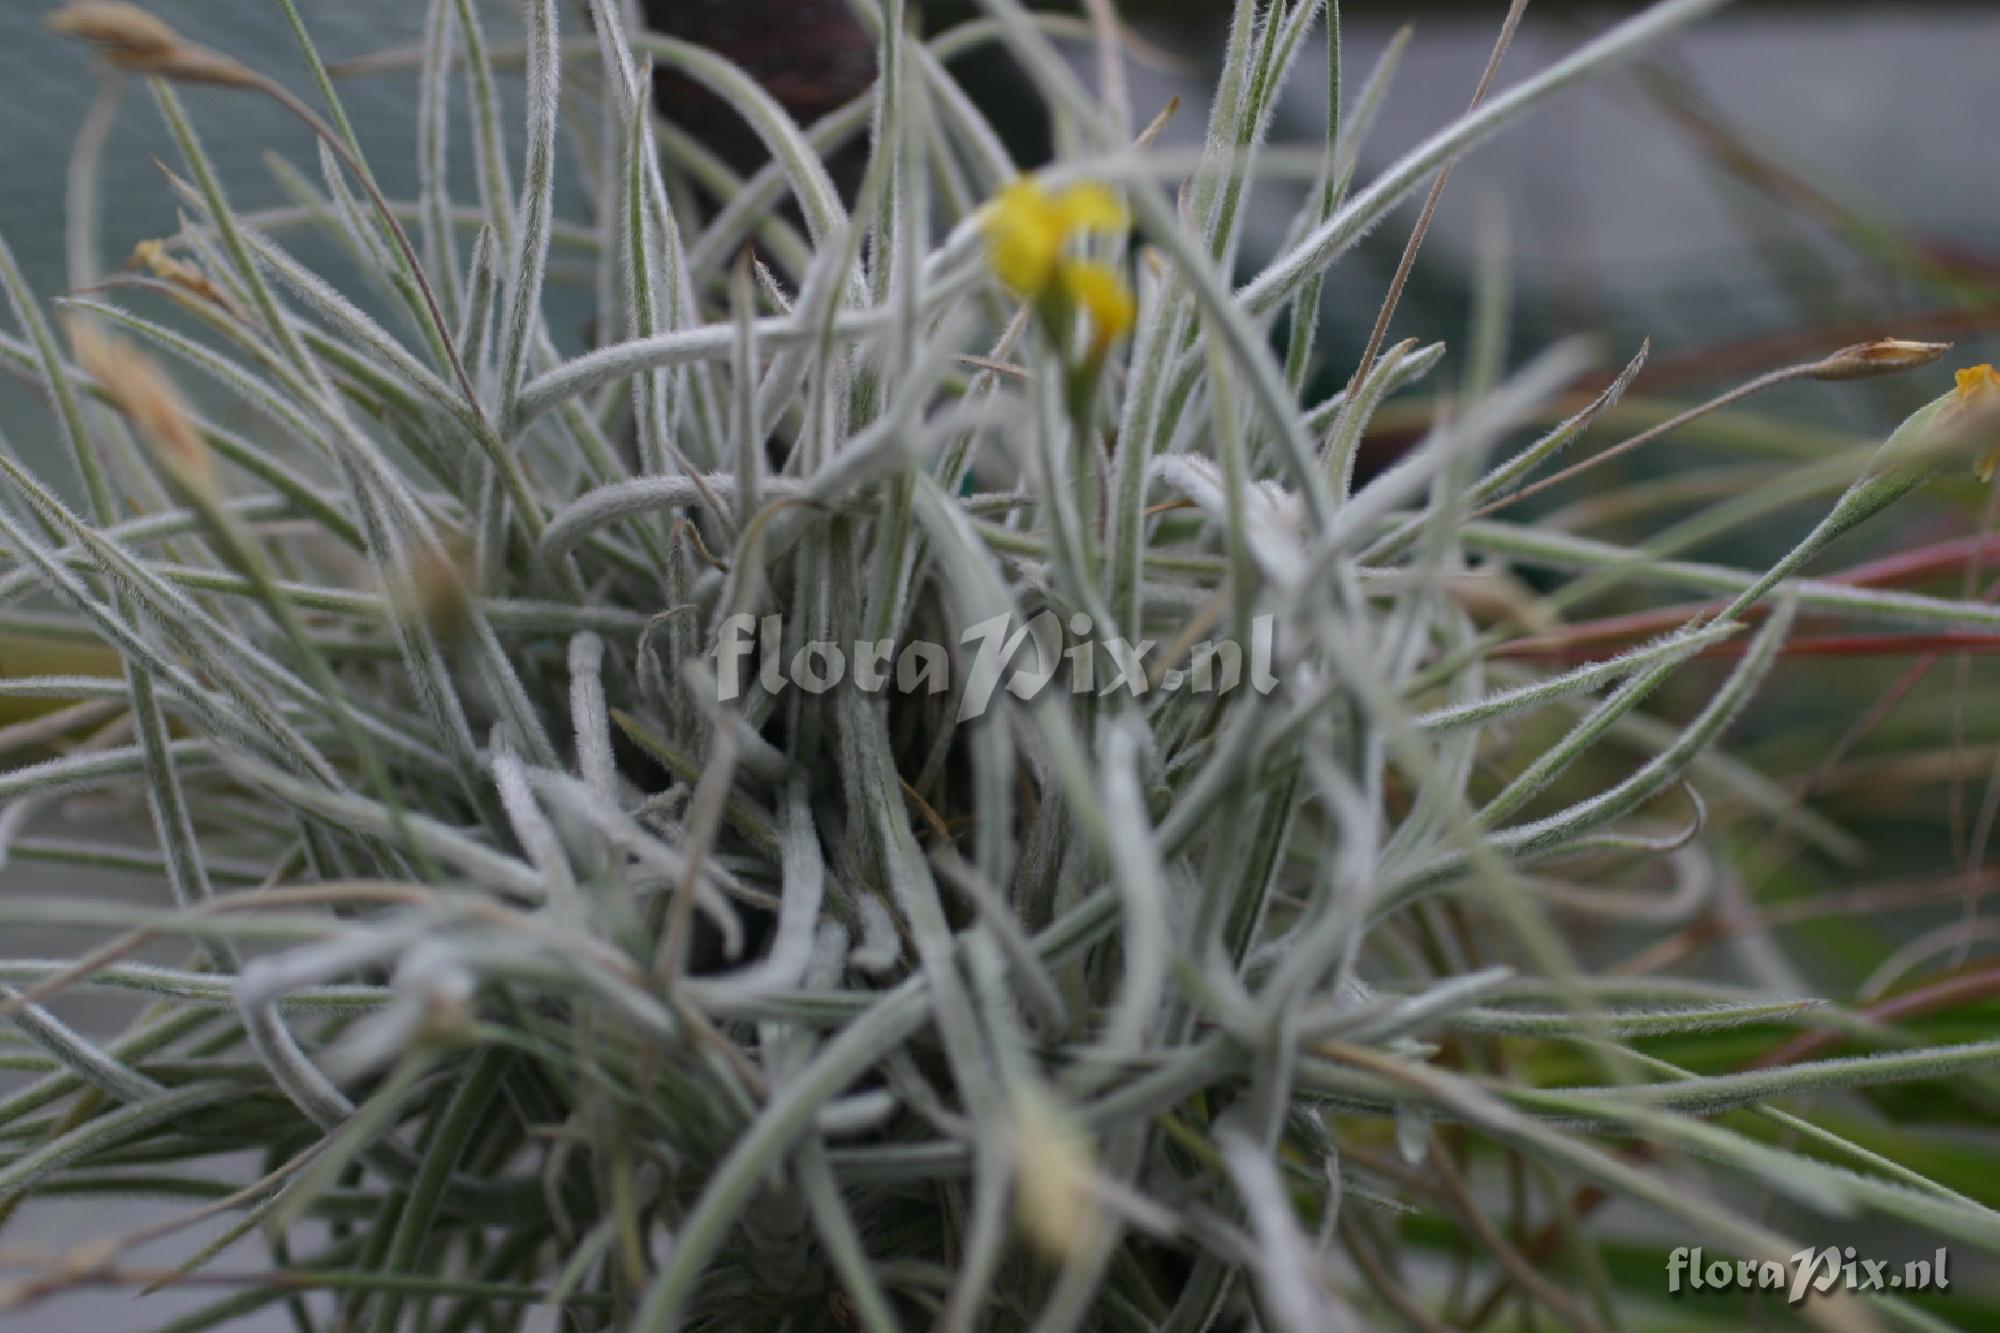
pixel 1979 389
pixel 1103 295
pixel 1029 227
pixel 1031 231
pixel 1975 380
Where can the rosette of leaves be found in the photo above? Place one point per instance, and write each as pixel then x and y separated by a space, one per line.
pixel 500 967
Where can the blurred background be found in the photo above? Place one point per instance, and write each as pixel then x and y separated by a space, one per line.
pixel 1783 167
pixel 1782 180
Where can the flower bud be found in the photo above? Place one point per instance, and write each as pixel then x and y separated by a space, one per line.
pixel 1883 356
pixel 1055 1179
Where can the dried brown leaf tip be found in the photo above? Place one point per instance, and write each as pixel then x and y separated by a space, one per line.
pixel 137 387
pixel 437 587
pixel 1883 356
pixel 154 257
pixel 135 41
pixel 126 35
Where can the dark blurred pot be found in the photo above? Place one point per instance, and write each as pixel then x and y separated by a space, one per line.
pixel 811 55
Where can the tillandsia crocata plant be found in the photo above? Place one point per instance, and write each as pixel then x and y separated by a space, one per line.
pixel 1156 872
